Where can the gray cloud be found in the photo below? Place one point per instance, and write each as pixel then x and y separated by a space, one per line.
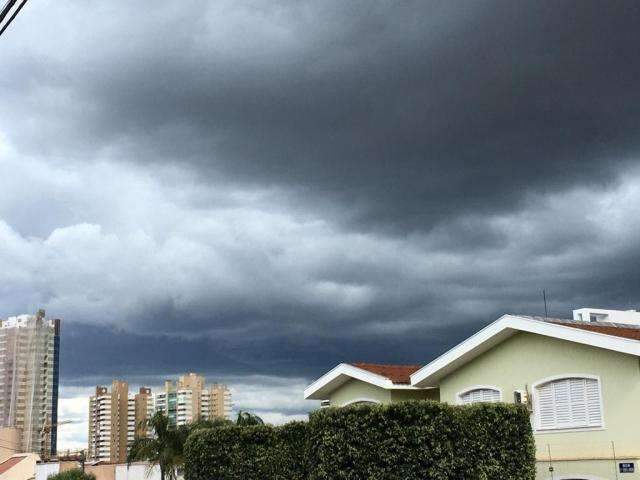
pixel 249 188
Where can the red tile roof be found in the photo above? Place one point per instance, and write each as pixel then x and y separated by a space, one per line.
pixel 396 373
pixel 624 332
pixel 10 463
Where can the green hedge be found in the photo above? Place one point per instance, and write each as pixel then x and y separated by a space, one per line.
pixel 422 440
pixel 75 474
pixel 408 441
pixel 248 453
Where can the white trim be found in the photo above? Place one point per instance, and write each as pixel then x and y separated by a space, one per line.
pixel 477 387
pixel 559 431
pixel 335 377
pixel 505 327
pixel 361 400
pixel 536 408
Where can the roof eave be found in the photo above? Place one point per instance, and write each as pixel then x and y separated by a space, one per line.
pixel 505 327
pixel 330 381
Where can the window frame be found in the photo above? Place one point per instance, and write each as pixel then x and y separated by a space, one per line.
pixel 536 404
pixel 478 387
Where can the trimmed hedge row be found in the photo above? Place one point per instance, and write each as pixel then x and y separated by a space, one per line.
pixel 249 453
pixel 409 441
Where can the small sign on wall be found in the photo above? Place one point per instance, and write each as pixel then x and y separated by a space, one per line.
pixel 627 467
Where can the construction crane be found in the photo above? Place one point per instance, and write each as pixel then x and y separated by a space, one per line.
pixel 10 7
pixel 46 429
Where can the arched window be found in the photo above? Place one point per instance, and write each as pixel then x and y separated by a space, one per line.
pixel 479 394
pixel 361 401
pixel 568 402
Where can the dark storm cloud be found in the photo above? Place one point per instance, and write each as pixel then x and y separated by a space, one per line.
pixel 409 113
pixel 270 188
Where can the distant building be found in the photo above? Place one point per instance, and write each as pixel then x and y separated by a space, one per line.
pixel 114 417
pixel 29 362
pixel 189 400
pixel 117 417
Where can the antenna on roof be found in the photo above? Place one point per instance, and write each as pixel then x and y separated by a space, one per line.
pixel 544 297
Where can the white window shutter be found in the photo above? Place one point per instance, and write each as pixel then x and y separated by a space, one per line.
pixel 478 395
pixel 569 403
pixel 546 415
pixel 594 407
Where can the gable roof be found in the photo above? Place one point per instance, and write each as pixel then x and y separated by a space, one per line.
pixel 388 377
pixel 610 336
pixel 398 374
pixel 10 462
pixel 632 333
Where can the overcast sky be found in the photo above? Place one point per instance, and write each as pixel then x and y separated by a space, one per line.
pixel 258 190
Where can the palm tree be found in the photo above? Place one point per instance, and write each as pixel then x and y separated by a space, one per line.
pixel 247 419
pixel 164 448
pixel 213 423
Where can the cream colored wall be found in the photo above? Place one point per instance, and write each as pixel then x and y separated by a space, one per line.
pixel 528 358
pixel 23 470
pixel 404 395
pixel 585 469
pixel 9 442
pixel 102 472
pixel 355 389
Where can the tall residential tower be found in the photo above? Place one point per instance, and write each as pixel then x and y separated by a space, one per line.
pixel 29 362
pixel 116 417
pixel 189 400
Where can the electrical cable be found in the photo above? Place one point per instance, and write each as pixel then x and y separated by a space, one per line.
pixel 6 9
pixel 12 17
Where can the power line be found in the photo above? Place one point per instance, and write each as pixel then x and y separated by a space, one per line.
pixel 5 10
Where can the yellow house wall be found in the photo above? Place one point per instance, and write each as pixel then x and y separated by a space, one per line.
pixel 355 389
pixel 404 395
pixel 526 359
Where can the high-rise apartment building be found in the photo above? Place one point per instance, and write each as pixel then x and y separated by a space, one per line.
pixel 29 364
pixel 117 417
pixel 114 417
pixel 189 400
pixel 216 402
pixel 144 409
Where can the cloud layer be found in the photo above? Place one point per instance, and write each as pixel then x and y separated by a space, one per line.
pixel 259 190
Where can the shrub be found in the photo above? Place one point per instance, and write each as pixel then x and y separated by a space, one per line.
pixel 421 440
pixel 247 453
pixel 75 474
pixel 410 441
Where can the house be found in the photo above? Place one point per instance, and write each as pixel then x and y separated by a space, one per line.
pixel 21 466
pixel 349 384
pixel 579 377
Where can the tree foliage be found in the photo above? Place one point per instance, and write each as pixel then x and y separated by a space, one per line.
pixel 410 441
pixel 164 448
pixel 247 419
pixel 75 474
pixel 257 452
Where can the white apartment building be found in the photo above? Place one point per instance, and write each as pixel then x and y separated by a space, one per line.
pixel 189 399
pixel 100 425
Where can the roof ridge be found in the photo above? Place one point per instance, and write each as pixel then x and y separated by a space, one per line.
pixel 387 364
